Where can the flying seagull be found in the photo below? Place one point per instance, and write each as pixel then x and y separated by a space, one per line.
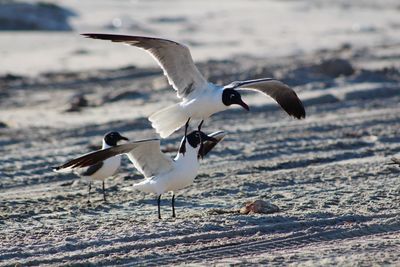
pixel 162 174
pixel 199 98
pixel 99 170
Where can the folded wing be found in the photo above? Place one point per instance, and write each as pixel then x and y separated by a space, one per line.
pixel 174 58
pixel 283 94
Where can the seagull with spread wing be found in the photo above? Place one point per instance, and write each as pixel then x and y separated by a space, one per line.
pixel 100 170
pixel 199 98
pixel 162 174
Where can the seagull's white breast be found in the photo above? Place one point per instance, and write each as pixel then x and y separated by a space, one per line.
pixel 205 103
pixel 182 175
pixel 186 168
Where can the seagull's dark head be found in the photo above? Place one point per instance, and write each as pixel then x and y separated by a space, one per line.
pixel 195 139
pixel 231 96
pixel 112 138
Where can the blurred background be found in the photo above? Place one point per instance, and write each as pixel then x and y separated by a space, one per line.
pixel 39 37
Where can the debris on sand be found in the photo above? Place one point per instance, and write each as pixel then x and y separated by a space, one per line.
pixel 120 95
pixel 77 102
pixel 251 207
pixel 9 79
pixel 259 206
pixel 323 71
pixel 335 67
pixel 222 211
pixel 394 161
pixel 37 17
pixel 383 75
pixel 177 19
pixel 3 125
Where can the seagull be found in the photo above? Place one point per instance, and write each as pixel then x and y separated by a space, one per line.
pixel 162 174
pixel 99 170
pixel 199 98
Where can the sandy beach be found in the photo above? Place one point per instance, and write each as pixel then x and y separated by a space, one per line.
pixel 339 203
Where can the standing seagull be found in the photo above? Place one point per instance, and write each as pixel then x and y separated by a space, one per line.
pixel 162 174
pixel 99 170
pixel 200 99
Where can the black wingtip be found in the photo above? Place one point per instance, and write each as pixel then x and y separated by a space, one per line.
pixel 89 35
pixel 297 111
pixel 302 114
pixel 299 115
pixel 100 36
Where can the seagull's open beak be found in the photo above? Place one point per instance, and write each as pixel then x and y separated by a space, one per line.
pixel 244 105
pixel 209 138
pixel 124 138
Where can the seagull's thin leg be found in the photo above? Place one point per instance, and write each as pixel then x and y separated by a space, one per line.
pixel 104 193
pixel 90 187
pixel 159 211
pixel 173 206
pixel 187 126
pixel 201 124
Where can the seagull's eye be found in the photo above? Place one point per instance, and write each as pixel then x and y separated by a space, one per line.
pixel 232 96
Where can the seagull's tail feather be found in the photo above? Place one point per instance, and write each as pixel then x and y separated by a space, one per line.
pixel 168 120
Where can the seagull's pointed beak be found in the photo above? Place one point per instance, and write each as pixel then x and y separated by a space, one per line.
pixel 209 138
pixel 124 138
pixel 244 105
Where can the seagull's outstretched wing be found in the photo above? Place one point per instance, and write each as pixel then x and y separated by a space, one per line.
pixel 173 58
pixel 149 160
pixel 209 145
pixel 92 169
pixel 145 155
pixel 283 94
